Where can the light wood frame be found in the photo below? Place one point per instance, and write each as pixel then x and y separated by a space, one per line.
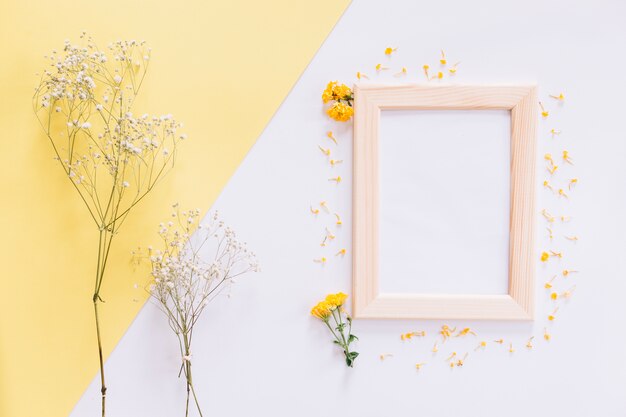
pixel 368 302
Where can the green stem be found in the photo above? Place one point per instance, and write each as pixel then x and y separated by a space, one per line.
pixel 103 389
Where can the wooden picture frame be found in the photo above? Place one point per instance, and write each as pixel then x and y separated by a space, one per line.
pixel 368 302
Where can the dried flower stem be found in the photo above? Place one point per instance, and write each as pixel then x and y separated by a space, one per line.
pixel 112 158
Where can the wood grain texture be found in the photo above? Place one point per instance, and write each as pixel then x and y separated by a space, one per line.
pixel 367 301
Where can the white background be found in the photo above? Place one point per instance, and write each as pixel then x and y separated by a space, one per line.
pixel 444 201
pixel 260 353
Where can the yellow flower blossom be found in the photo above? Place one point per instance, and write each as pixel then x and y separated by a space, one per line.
pixel 336 91
pixel 321 310
pixel 336 300
pixel 340 112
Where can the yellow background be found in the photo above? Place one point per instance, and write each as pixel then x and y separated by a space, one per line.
pixel 222 67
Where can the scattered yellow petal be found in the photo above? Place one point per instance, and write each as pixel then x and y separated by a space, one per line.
pixel 338 222
pixel 452 70
pixel 560 97
pixel 552 315
pixel 555 132
pixel 334 162
pixel 529 344
pixel 389 50
pixel 324 151
pixel 324 205
pixel 572 238
pixel 465 332
pixel 426 68
pixel 550 218
pixel 452 356
pixel 380 67
pixel 545 256
pixel 385 356
pixel 511 350
pixel 547 185
pixel 548 284
pixel 330 135
pixel 562 193
pixel 446 331
pixel 329 234
pixel 443 60
pixel 572 183
pixel 360 75
pixel 418 366
pixel 546 335
pixel 481 345
pixel 336 179
pixel 460 362
pixel 500 341
pixel 566 272
pixel 567 158
pixel 544 112
pixel 402 72
pixel 341 252
pixel 554 296
pixel 321 260
pixel 435 349
pixel 314 211
pixel 568 293
pixel 439 75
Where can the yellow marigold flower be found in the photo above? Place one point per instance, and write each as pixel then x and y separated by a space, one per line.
pixel 336 300
pixel 545 256
pixel 321 310
pixel 328 95
pixel 336 91
pixel 340 112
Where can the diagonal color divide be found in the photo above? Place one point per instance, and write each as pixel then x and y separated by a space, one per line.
pixel 223 68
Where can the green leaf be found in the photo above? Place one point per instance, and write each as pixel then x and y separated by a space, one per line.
pixel 352 338
pixel 353 355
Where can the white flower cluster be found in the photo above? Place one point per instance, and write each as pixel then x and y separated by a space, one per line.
pixel 196 263
pixel 84 103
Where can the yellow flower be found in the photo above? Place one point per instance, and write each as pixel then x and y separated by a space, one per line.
pixel 336 91
pixel 340 112
pixel 322 310
pixel 335 300
pixel 328 95
pixel 342 91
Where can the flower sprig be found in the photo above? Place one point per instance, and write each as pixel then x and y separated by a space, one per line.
pixel 342 99
pixel 196 263
pixel 331 307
